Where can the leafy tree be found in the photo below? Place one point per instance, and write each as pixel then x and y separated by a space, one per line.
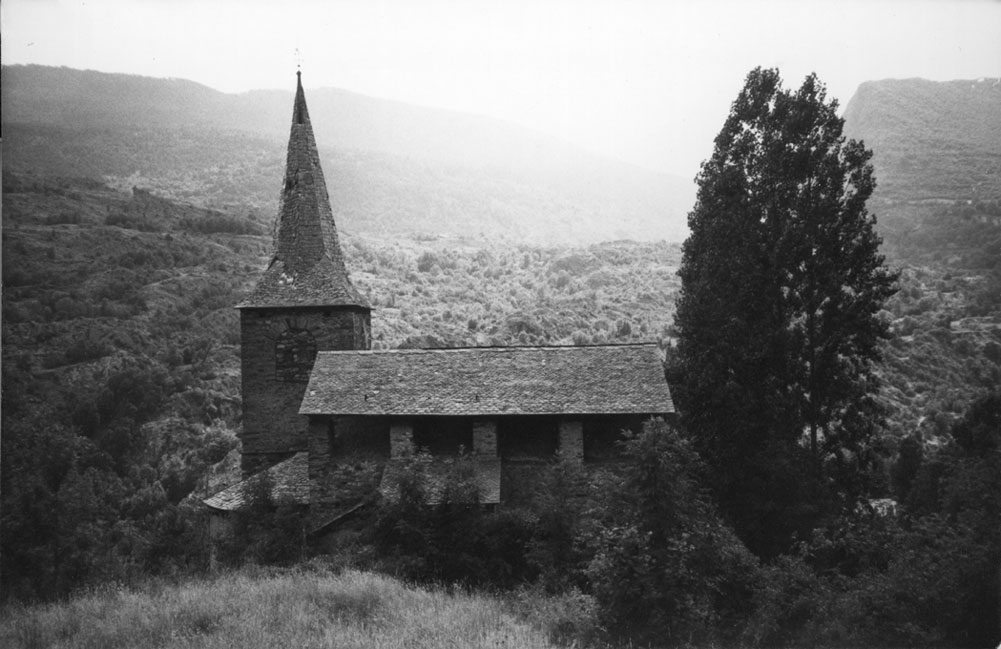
pixel 667 569
pixel 906 467
pixel 269 531
pixel 561 517
pixel 782 282
pixel 452 539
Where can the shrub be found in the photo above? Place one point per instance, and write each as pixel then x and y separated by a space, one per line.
pixel 556 549
pixel 667 568
pixel 567 619
pixel 882 579
pixel 87 348
pixel 940 587
pixel 426 261
pixel 268 531
pixel 454 540
pixel 790 601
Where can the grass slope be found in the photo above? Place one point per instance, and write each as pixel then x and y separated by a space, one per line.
pixel 289 609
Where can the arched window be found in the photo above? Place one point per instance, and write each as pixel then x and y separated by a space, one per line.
pixel 295 352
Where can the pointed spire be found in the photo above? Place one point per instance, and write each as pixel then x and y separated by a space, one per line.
pixel 299 111
pixel 307 267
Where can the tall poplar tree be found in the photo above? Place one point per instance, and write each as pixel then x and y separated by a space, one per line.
pixel 782 282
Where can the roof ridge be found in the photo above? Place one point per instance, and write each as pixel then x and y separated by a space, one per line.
pixel 494 348
pixel 603 379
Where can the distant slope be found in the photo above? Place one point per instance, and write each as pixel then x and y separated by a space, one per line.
pixel 937 157
pixel 932 140
pixel 407 168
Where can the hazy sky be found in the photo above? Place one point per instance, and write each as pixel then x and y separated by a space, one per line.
pixel 649 82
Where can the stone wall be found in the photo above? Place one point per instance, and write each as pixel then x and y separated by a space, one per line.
pixel 272 427
pixel 485 438
pixel 346 459
pixel 572 440
pixel 401 439
pixel 347 456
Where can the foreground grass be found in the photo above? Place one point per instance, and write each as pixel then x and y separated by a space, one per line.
pixel 291 609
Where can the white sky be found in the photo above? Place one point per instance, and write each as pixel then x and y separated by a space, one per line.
pixel 649 82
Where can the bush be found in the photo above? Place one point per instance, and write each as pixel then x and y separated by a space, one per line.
pixel 940 587
pixel 887 580
pixel 793 605
pixel 454 540
pixel 667 568
pixel 87 348
pixel 557 550
pixel 267 532
pixel 567 619
pixel 426 261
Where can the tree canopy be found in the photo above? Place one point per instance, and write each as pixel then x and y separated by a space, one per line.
pixel 778 319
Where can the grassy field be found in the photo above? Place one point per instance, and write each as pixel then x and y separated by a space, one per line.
pixel 266 610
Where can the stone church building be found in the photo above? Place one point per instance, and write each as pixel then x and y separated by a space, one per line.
pixel 328 421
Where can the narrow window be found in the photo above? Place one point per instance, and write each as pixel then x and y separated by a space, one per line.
pixel 295 352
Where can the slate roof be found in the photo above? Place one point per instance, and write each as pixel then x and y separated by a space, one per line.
pixel 487 476
pixel 307 267
pixel 489 381
pixel 321 285
pixel 289 483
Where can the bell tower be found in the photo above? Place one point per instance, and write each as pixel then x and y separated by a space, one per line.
pixel 303 303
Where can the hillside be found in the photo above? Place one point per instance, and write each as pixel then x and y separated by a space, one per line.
pixel 121 345
pixel 422 169
pixel 121 388
pixel 937 158
pixel 932 140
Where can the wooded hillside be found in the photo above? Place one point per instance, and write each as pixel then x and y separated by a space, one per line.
pixel 125 250
pixel 391 167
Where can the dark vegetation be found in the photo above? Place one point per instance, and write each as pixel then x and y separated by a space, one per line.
pixel 778 320
pixel 121 401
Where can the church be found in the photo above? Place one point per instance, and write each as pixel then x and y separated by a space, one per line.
pixel 329 422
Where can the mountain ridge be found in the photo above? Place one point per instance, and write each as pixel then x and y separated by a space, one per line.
pixel 536 177
pixel 930 139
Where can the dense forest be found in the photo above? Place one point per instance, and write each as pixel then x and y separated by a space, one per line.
pixel 121 398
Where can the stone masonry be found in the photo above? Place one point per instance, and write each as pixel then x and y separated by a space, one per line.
pixel 304 303
pixel 485 438
pixel 347 456
pixel 401 439
pixel 572 440
pixel 272 426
